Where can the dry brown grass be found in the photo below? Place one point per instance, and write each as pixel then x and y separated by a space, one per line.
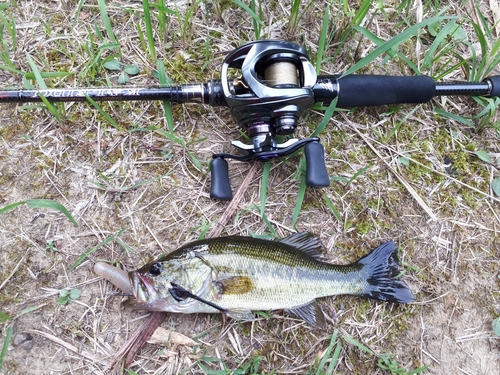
pixel 446 226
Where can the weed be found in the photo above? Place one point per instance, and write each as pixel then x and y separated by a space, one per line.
pixel 66 296
pixel 5 345
pixel 254 13
pixel 125 70
pixel 40 203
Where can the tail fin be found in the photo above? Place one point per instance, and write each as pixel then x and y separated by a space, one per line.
pixel 380 268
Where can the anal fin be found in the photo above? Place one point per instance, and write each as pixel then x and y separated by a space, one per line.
pixel 310 312
pixel 241 314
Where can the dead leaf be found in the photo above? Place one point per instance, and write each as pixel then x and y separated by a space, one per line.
pixel 164 336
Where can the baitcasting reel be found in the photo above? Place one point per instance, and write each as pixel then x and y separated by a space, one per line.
pixel 272 90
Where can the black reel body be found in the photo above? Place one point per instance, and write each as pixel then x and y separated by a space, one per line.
pixel 272 89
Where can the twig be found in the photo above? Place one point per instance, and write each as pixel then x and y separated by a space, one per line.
pixel 66 345
pixel 233 205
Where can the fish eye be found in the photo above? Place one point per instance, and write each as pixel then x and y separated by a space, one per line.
pixel 155 269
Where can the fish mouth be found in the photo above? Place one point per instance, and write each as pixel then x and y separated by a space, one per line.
pixel 143 288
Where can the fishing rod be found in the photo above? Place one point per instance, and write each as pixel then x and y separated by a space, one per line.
pixel 269 85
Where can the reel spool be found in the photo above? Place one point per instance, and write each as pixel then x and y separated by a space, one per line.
pixel 274 89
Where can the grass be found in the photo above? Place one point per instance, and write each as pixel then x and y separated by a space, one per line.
pixel 142 189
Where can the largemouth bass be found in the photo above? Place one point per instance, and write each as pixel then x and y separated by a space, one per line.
pixel 236 275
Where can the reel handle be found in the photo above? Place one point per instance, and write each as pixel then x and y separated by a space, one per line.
pixel 219 185
pixel 316 173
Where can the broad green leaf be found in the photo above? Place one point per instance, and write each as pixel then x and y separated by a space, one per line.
pixel 75 293
pixel 113 64
pixel 495 185
pixel 495 324
pixel 131 69
pixel 404 160
pixel 123 78
pixel 483 155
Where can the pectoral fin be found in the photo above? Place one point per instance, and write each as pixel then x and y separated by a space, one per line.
pixel 310 312
pixel 180 294
pixel 234 285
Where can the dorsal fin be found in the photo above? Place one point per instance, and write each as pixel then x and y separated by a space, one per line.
pixel 305 242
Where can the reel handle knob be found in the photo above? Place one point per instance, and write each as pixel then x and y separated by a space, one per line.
pixel 219 186
pixel 316 173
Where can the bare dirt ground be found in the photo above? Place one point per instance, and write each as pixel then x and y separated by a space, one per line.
pixel 146 193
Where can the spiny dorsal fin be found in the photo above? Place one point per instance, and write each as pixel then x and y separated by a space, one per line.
pixel 310 312
pixel 305 242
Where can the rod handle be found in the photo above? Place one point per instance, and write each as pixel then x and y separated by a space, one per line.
pixel 219 186
pixel 373 90
pixel 316 173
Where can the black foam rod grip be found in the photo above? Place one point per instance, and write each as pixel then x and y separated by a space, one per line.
pixel 495 86
pixel 371 90
pixel 219 186
pixel 316 173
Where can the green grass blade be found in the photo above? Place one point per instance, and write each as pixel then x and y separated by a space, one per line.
pixel 149 29
pixel 322 39
pixel 104 114
pixel 4 317
pixel 50 107
pixel 300 199
pixel 36 72
pixel 326 118
pixel 82 257
pixel 50 204
pixel 403 121
pixel 326 354
pixel 335 359
pixel 392 53
pixel 77 14
pixel 167 108
pixel 252 14
pixel 11 206
pixel 438 41
pixel 452 116
pixel 332 207
pixel 256 27
pixel 394 42
pixel 357 174
pixel 356 343
pixel 362 12
pixel 39 79
pixel 263 191
pixel 106 21
pixel 5 345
